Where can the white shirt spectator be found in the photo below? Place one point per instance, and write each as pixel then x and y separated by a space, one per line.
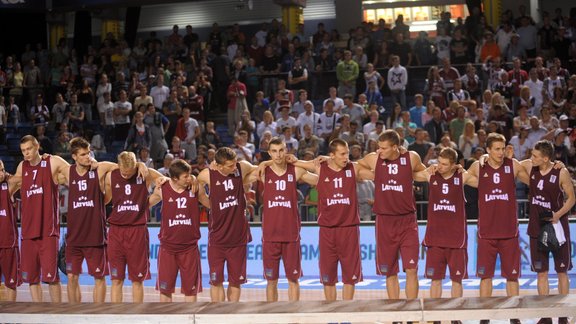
pixel 262 127
pixel 397 78
pixel 159 95
pixel 338 103
pixel 108 110
pixel 327 124
pixel 311 119
pixel 122 119
pixel 536 92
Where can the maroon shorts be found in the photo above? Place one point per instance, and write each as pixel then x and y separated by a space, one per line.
pixel 128 246
pixel 339 244
pixel 562 257
pixel 95 259
pixel 509 250
pixel 187 262
pixel 437 258
pixel 291 255
pixel 40 256
pixel 396 234
pixel 10 267
pixel 235 259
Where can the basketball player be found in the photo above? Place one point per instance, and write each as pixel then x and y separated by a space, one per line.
pixel 498 218
pixel 338 218
pixel 228 229
pixel 395 208
pixel 548 188
pixel 179 234
pixel 39 178
pixel 127 234
pixel 9 252
pixel 281 220
pixel 446 233
pixel 86 232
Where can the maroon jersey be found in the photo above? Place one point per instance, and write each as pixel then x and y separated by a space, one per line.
pixel 180 226
pixel 129 200
pixel 228 225
pixel 86 210
pixel 446 213
pixel 393 184
pixel 280 218
pixel 40 212
pixel 497 218
pixel 337 199
pixel 8 223
pixel 545 196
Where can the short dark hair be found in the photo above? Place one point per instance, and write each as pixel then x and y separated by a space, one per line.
pixel 224 154
pixel 275 141
pixel 335 143
pixel 177 168
pixel 78 143
pixel 449 153
pixel 493 138
pixel 391 136
pixel 546 148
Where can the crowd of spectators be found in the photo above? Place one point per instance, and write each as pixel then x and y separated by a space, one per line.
pixel 159 97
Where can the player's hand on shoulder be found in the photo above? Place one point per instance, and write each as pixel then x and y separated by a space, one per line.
pixel 459 168
pixel 558 165
pixel 161 180
pixel 509 151
pixel 193 184
pixel 402 149
pixel 432 169
pixel 320 159
pixel 482 160
pixel 291 158
pixel 212 166
pixel 143 170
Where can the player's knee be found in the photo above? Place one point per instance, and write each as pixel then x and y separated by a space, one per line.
pixel 273 282
pixel 542 275
pixel 117 282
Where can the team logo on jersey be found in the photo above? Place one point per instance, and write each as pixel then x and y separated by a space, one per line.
pixel 496 194
pixel 456 181
pixel 269 180
pixel 217 183
pixel 236 173
pixel 458 272
pixel 435 183
pixel 532 177
pixel 537 265
pixel 170 200
pixel 91 174
pixel 73 182
pixel 191 194
pixel 290 178
pixel 24 275
pixel 348 173
pixel 552 179
pixel 117 186
pixel 327 179
pixel 4 186
pixel 402 161
pixel 43 164
pixel 430 272
pixel 485 175
pixel 506 169
pixel 213 276
pixel 241 278
pixel 325 278
pixel 481 270
pixel 114 272
pixel 163 285
pixel 268 272
pixel 138 180
pixel 68 266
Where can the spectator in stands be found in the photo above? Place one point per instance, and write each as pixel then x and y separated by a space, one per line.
pixel 39 113
pixel 309 142
pixel 122 111
pixel 354 110
pixel 347 72
pixel 165 169
pixel 420 144
pixel 504 35
pixel 139 135
pixel 236 95
pixel 328 122
pixel 176 149
pixel 552 81
pixel 408 126
pixel 58 110
pixel 298 75
pixel 442 44
pixel 427 115
pixel 561 151
pixel 188 130
pixel 522 120
pixel 269 70
pixel 402 49
pixel 547 119
pixel 468 140
pixel 471 82
pixel 144 157
pixel 62 145
pixel 458 48
pixel 503 120
pixel 514 49
pixel 448 73
pixel 285 120
pixel 536 86
pixel 267 124
pixel 435 87
pixel 308 117
pixel 505 88
pixel 382 55
pixel 103 86
pixel 75 115
pixel 397 81
pixel 298 106
pixel 359 56
pixel 528 37
pixel 417 110
pixel 436 127
pixel 333 95
pixel 457 124
pixel 210 136
pixel 460 95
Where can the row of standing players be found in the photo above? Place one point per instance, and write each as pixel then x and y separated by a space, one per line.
pixel 125 245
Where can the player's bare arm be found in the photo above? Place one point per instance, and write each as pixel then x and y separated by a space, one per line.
pixel 304 175
pixel 108 188
pixel 203 180
pixel 15 181
pixel 520 172
pixel 416 162
pixel 247 169
pixel 369 161
pixel 469 179
pixel 59 167
pixel 155 197
pixel 362 173
pixel 568 188
pixel 310 166
pixel 152 176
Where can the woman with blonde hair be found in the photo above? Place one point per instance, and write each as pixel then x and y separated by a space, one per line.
pixel 267 123
pixel 526 100
pixel 468 140
pixel 435 87
pixel 427 115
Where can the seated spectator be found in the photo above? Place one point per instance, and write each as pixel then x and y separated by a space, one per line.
pixel 210 136
pixel 468 140
pixel 165 169
pixel 242 152
pixel 267 124
pixel 62 146
pixel 309 142
pixel 177 151
pixel 522 145
pixel 144 157
pixel 291 142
